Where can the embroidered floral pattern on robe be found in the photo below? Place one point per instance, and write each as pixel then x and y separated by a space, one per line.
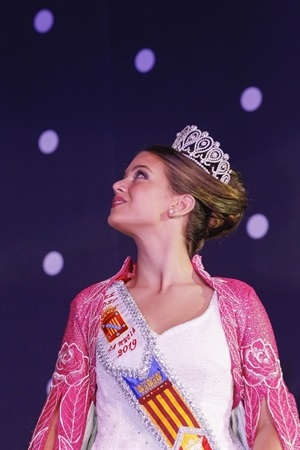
pixel 255 366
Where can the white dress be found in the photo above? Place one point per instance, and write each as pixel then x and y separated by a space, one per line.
pixel 197 352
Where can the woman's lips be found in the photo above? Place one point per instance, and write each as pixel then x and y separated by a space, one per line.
pixel 117 200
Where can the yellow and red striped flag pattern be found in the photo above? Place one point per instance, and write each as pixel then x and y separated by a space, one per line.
pixel 168 410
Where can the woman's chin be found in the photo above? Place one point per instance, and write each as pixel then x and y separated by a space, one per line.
pixel 112 222
pixel 116 224
pixel 120 227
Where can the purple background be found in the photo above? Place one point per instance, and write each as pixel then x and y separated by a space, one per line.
pixel 79 79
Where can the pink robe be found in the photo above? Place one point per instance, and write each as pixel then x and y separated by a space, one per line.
pixel 254 358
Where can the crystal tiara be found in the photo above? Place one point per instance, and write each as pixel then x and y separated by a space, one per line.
pixel 199 147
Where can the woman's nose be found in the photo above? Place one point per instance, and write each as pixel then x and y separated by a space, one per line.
pixel 119 186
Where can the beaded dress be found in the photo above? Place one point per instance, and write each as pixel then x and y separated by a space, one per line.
pixel 197 352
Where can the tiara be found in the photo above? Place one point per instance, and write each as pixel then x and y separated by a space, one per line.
pixel 199 147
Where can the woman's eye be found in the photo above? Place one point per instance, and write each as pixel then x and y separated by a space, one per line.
pixel 140 174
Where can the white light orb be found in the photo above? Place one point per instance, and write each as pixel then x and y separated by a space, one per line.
pixel 53 263
pixel 144 60
pixel 48 386
pixel 257 226
pixel 251 99
pixel 43 21
pixel 48 142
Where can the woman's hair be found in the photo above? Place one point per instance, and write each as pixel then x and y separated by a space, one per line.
pixel 219 207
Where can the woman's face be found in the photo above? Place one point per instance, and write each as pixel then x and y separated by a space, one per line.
pixel 142 198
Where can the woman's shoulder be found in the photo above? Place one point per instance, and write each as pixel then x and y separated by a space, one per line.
pixel 88 302
pixel 220 283
pixel 236 292
pixel 235 284
pixel 95 293
pixel 91 292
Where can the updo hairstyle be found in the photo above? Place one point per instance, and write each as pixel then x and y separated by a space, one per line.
pixel 219 207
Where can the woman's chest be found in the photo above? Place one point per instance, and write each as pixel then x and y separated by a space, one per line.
pixel 163 311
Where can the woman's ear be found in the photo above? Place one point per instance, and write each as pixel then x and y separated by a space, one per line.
pixel 184 204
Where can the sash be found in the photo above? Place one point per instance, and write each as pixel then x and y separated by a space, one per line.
pixel 127 350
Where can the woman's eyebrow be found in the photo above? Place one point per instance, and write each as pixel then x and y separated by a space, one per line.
pixel 138 166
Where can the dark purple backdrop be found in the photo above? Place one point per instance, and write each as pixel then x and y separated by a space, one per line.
pixel 79 79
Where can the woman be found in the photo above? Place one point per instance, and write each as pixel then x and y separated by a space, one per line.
pixel 172 357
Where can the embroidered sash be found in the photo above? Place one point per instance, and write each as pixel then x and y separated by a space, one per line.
pixel 127 350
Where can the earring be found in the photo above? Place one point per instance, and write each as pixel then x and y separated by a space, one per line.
pixel 171 211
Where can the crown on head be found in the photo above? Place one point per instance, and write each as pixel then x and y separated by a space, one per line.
pixel 199 146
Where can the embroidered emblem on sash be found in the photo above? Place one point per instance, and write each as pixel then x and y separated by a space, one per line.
pixel 159 399
pixel 168 410
pixel 112 323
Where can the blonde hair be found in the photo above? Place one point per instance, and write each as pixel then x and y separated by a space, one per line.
pixel 219 207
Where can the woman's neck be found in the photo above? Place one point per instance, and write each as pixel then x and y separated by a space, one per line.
pixel 161 265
